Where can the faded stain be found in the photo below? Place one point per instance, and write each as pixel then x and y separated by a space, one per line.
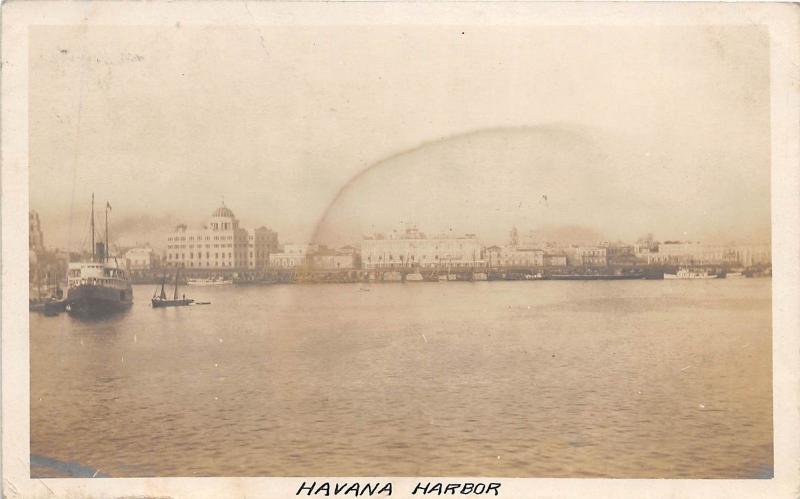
pixel 564 130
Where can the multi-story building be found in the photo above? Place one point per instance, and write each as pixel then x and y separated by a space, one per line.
pixel 331 259
pixel 412 248
pixel 511 256
pixel 642 252
pixel 593 256
pixel 141 258
pixel 314 256
pixel 220 245
pixel 693 253
pixel 586 256
pixel 35 235
pixel 621 254
pixel 292 256
pixel 555 260
pixel 753 254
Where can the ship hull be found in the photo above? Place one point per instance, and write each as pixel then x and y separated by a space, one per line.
pixel 91 300
pixel 171 303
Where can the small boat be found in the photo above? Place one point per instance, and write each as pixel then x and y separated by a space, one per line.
pixel 734 275
pixel 208 281
pixel 160 300
pixel 54 306
pixel 689 274
pixel 414 276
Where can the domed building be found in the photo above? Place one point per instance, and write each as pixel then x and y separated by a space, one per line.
pixel 221 245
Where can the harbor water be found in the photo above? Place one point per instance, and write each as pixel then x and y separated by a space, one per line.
pixel 637 379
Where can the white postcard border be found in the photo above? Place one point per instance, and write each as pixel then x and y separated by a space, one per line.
pixel 782 22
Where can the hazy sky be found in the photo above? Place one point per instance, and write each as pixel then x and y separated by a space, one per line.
pixel 331 131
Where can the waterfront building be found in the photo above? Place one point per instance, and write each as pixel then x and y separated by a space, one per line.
pixel 35 235
pixel 292 256
pixel 621 254
pixel 412 248
pixel 642 252
pixel 314 256
pixel 141 258
pixel 555 260
pixel 512 256
pixel 35 246
pixel 692 253
pixel 331 259
pixel 220 245
pixel 753 255
pixel 593 256
pixel 586 256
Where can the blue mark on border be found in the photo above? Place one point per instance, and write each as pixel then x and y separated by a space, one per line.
pixel 74 470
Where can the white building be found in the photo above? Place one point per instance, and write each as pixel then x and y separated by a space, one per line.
pixel 220 245
pixel 677 253
pixel 510 256
pixel 313 256
pixel 586 256
pixel 292 256
pixel 753 254
pixel 555 260
pixel 140 258
pixel 412 248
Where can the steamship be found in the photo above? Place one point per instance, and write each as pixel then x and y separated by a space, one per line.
pixel 100 286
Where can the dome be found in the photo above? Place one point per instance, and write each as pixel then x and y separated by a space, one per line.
pixel 223 211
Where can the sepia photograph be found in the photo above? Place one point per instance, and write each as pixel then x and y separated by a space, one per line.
pixel 408 249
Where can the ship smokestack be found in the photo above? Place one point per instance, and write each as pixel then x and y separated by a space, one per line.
pixel 100 251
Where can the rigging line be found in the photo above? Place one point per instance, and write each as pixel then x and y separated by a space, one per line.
pixel 76 154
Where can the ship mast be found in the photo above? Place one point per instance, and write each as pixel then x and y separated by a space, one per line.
pixel 105 250
pixel 163 295
pixel 93 255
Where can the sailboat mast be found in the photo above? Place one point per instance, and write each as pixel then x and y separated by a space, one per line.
pixel 93 254
pixel 175 295
pixel 163 295
pixel 105 251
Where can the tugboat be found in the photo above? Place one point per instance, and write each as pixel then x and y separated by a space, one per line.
pixel 159 301
pixel 100 286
